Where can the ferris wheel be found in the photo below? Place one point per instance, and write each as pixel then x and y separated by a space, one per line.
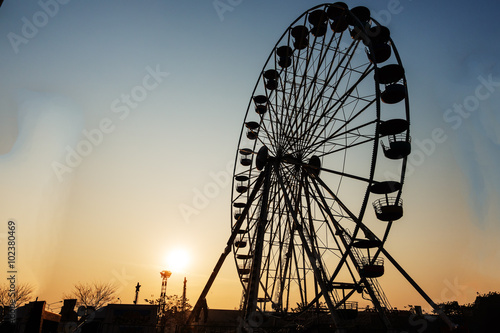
pixel 320 167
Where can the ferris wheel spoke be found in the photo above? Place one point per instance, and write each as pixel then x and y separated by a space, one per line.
pixel 342 63
pixel 358 222
pixel 336 66
pixel 345 250
pixel 325 121
pixel 338 105
pixel 311 197
pixel 313 237
pixel 275 237
pixel 279 114
pixel 344 207
pixel 339 173
pixel 269 135
pixel 301 117
pixel 313 111
pixel 299 92
pixel 347 122
pixel 342 262
pixel 312 89
pixel 327 214
pixel 316 106
pixel 345 174
pixel 285 235
pixel 293 95
pixel 310 254
pixel 350 138
pixel 285 276
pixel 340 100
pixel 255 273
pixel 345 147
pixel 313 147
pixel 297 276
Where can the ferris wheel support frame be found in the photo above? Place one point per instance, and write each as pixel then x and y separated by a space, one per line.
pixel 310 255
pixel 348 253
pixel 250 304
pixel 195 313
pixel 412 282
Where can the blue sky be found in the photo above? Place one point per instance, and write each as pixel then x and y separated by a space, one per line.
pixel 188 69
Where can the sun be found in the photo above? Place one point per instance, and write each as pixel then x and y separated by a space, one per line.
pixel 177 261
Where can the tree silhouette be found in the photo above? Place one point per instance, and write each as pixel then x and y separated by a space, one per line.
pixel 173 303
pixel 23 294
pixel 95 294
pixel 485 312
pixel 479 316
pixel 452 308
pixel 174 311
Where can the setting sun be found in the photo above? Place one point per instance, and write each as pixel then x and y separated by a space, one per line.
pixel 177 261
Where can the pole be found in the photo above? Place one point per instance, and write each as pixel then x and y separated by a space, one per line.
pixel 184 296
pixel 137 287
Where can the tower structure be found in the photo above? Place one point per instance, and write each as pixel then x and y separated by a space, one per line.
pixel 163 294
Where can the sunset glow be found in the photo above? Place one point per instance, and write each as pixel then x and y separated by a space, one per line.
pixel 177 261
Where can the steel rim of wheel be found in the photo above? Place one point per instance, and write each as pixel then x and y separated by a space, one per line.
pixel 325 106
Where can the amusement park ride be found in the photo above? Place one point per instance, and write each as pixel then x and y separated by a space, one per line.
pixel 327 122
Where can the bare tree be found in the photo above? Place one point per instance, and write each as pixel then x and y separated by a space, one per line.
pixel 23 294
pixel 95 294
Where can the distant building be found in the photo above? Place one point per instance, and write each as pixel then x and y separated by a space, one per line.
pixel 113 318
pixel 116 318
pixel 31 318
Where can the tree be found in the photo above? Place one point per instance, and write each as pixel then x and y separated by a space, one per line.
pixel 485 311
pixel 452 308
pixel 95 294
pixel 23 294
pixel 173 313
pixel 173 303
pixel 480 315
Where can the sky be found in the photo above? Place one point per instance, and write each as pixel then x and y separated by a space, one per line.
pixel 119 124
